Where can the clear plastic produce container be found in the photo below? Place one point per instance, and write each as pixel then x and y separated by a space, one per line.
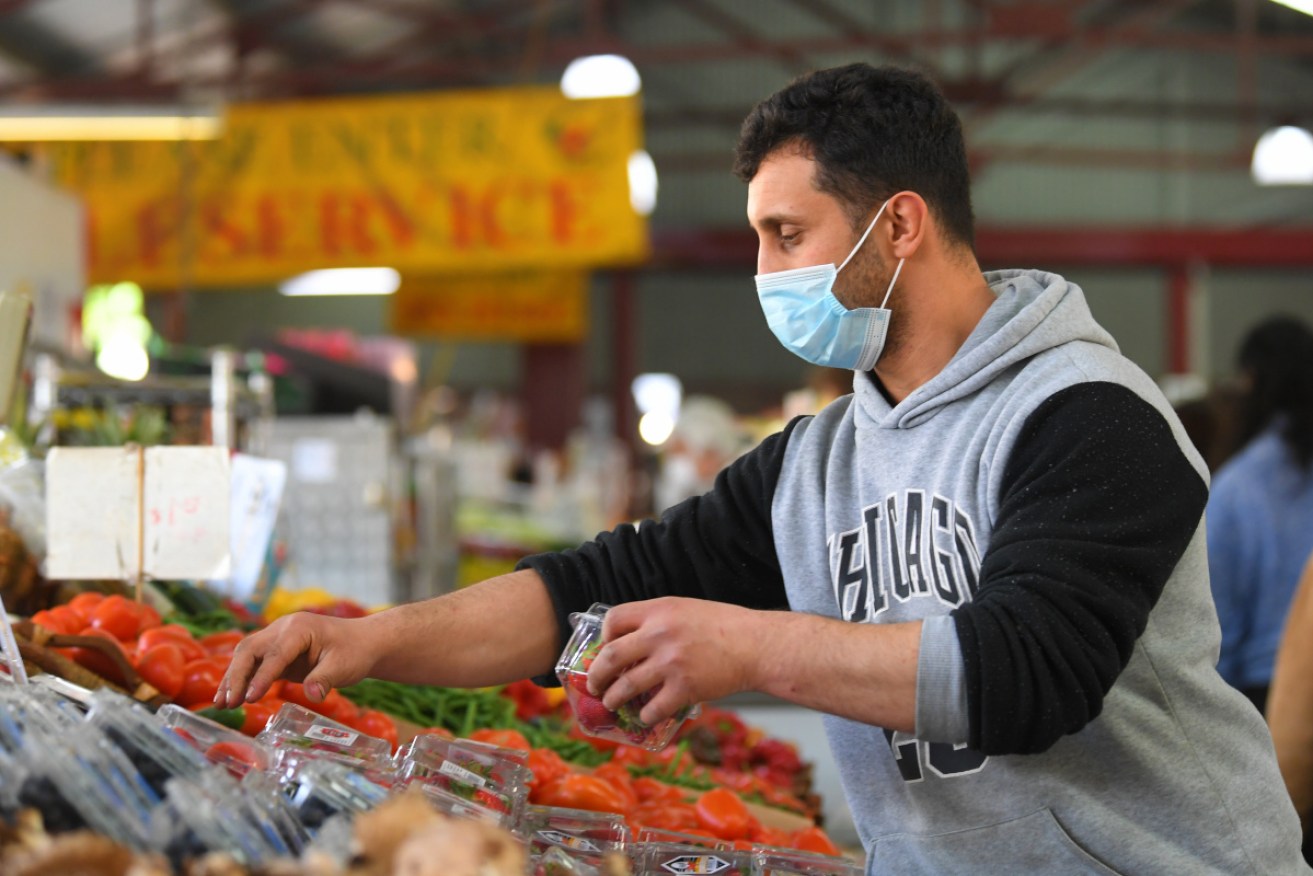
pixel 785 862
pixel 664 859
pixel 220 745
pixel 300 730
pixel 488 776
pixel 158 754
pixel 579 832
pixel 595 719
pixel 318 789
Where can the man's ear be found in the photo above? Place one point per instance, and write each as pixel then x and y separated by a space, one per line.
pixel 910 223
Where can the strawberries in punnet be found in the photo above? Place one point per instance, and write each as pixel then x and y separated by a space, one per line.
pixel 579 681
pixel 593 713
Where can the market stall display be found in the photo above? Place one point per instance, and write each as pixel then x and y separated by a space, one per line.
pixel 285 778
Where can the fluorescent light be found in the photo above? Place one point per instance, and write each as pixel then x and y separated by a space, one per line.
pixel 600 76
pixel 37 124
pixel 642 183
pixel 1304 6
pixel 1283 156
pixel 344 281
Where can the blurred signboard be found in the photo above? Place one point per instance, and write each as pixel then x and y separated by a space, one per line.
pixel 453 181
pixel 525 306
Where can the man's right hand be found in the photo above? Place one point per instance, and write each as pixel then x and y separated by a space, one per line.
pixel 322 652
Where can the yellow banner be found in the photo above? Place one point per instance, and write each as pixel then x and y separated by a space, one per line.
pixel 542 307
pixel 454 181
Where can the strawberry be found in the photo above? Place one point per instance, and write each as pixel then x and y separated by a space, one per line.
pixel 579 681
pixel 491 800
pixel 593 714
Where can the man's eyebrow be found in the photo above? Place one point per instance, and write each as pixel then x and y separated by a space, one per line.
pixel 775 220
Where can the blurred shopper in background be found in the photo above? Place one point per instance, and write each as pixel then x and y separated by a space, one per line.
pixel 1260 511
pixel 707 438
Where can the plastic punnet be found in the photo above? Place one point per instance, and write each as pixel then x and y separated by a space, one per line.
pixel 488 776
pixel 302 731
pixel 623 725
pixel 218 744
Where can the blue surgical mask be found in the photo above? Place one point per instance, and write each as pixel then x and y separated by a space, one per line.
pixel 803 313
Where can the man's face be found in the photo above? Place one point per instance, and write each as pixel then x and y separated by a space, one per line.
pixel 799 226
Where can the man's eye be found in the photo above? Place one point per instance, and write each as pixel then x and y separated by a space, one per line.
pixel 788 238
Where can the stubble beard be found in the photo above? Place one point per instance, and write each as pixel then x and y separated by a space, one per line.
pixel 870 278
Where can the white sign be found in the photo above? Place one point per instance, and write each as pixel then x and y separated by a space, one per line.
pixel 257 491
pixel 456 771
pixel 332 735
pixel 117 512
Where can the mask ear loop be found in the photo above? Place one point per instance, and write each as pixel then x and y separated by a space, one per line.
pixel 865 235
pixel 892 280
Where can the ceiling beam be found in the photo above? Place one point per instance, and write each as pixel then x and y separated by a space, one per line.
pixel 743 37
pixel 34 45
pixel 736 249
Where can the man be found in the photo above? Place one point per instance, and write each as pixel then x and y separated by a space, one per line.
pixel 992 551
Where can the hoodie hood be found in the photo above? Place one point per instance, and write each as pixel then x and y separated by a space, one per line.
pixel 1034 311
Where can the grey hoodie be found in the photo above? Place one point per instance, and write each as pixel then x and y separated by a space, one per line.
pixel 1038 507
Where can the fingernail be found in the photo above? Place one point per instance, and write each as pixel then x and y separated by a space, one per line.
pixel 315 691
pixel 250 694
pixel 220 695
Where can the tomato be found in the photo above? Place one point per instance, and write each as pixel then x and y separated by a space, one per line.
pixel 724 813
pixel 504 738
pixel 372 722
pixel 257 715
pixel 650 790
pixel 295 693
pixel 813 839
pixel 547 766
pixel 617 776
pixel 579 791
pixel 117 616
pixel 275 692
pixel 191 649
pixel 85 603
pixel 162 668
pixel 339 708
pixel 771 836
pixel 235 754
pixel 222 644
pixel 665 816
pixel 60 620
pixel 200 682
pixel 147 617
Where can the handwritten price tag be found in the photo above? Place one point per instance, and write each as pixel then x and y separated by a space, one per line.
pixel 186 499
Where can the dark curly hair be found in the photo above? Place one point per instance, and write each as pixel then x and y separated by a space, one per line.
pixel 1277 355
pixel 873 132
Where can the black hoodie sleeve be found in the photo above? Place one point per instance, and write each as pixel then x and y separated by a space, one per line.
pixel 1097 505
pixel 716 546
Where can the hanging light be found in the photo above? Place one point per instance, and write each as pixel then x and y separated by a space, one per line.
pixel 343 281
pixel 1283 156
pixel 600 76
